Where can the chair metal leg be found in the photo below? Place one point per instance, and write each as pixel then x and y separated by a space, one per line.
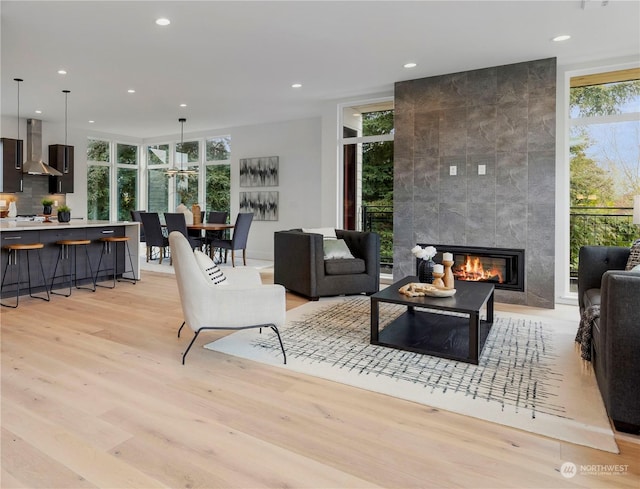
pixel 122 278
pixel 189 347
pixel 114 263
pixel 274 328
pixel 181 326
pixel 259 326
pixel 64 255
pixel 16 263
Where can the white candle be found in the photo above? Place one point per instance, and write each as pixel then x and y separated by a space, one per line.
pixel 437 268
pixel 447 256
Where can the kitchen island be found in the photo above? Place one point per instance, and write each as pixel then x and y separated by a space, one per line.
pixel 47 233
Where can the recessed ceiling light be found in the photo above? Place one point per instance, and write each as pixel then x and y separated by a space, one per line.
pixel 296 85
pixel 62 72
pixel 162 21
pixel 410 65
pixel 38 111
pixel 131 90
pixel 561 38
pixel 91 122
pixel 183 105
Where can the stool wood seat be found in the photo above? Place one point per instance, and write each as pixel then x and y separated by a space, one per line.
pixel 106 250
pixel 115 239
pixel 13 250
pixel 24 246
pixel 73 242
pixel 63 255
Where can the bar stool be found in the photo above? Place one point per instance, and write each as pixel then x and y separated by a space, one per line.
pixel 63 255
pixel 13 250
pixel 108 249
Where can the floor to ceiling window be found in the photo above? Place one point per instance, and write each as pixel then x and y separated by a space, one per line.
pixel 127 177
pixel 367 171
pixel 209 185
pixel 98 179
pixel 604 128
pixel 157 180
pixel 218 174
pixel 187 157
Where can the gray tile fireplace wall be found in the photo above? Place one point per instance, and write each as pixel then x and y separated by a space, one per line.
pixel 502 120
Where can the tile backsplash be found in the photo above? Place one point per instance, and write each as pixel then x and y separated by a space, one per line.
pixel 34 189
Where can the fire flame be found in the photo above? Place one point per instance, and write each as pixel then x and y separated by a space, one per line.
pixel 472 270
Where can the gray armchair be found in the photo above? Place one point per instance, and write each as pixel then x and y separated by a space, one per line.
pixel 615 343
pixel 300 265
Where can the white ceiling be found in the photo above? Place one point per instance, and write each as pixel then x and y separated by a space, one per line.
pixel 233 63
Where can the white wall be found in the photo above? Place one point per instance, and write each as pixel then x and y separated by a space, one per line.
pixel 297 144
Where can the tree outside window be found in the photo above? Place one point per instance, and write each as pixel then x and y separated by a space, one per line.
pixel 187 157
pixel 98 179
pixel 218 174
pixel 127 178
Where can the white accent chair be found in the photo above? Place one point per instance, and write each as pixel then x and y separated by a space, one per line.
pixel 243 303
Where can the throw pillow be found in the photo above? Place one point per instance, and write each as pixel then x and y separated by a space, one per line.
pixel 634 255
pixel 210 269
pixel 336 249
pixel 328 233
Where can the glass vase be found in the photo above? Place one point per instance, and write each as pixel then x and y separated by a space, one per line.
pixel 425 271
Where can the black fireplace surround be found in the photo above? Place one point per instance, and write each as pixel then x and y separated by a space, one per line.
pixel 508 264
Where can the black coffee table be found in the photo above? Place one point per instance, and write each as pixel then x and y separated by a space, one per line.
pixel 435 332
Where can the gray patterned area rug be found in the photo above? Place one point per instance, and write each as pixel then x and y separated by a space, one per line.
pixel 530 375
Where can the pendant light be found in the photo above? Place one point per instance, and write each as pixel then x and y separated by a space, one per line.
pixel 18 162
pixel 66 161
pixel 173 171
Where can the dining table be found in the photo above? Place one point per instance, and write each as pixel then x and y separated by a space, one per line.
pixel 210 226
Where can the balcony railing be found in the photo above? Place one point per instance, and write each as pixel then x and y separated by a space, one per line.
pixel 600 226
pixel 379 219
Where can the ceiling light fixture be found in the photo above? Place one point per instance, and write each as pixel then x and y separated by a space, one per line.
pixel 131 90
pixel 18 164
pixel 66 94
pixel 173 171
pixel 38 111
pixel 564 37
pixel 296 85
pixel 62 72
pixel 92 122
pixel 162 21
pixel 183 105
pixel 410 65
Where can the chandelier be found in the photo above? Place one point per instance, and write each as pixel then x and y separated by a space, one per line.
pixel 173 171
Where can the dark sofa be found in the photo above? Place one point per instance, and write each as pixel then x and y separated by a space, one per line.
pixel 615 345
pixel 299 264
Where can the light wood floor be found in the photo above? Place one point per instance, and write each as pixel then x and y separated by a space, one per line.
pixel 94 395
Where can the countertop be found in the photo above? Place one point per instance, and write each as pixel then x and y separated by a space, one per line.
pixel 13 225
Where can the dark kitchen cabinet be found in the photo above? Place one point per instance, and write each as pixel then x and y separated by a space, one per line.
pixel 61 158
pixel 11 176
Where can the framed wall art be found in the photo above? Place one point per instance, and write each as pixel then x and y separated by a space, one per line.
pixel 259 172
pixel 263 204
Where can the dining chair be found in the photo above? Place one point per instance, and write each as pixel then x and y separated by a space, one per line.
pixel 135 217
pixel 239 239
pixel 153 234
pixel 215 217
pixel 176 222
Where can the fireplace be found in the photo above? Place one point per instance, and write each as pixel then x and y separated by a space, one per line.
pixel 503 267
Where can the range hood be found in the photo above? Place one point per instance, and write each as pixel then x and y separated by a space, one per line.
pixel 34 164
